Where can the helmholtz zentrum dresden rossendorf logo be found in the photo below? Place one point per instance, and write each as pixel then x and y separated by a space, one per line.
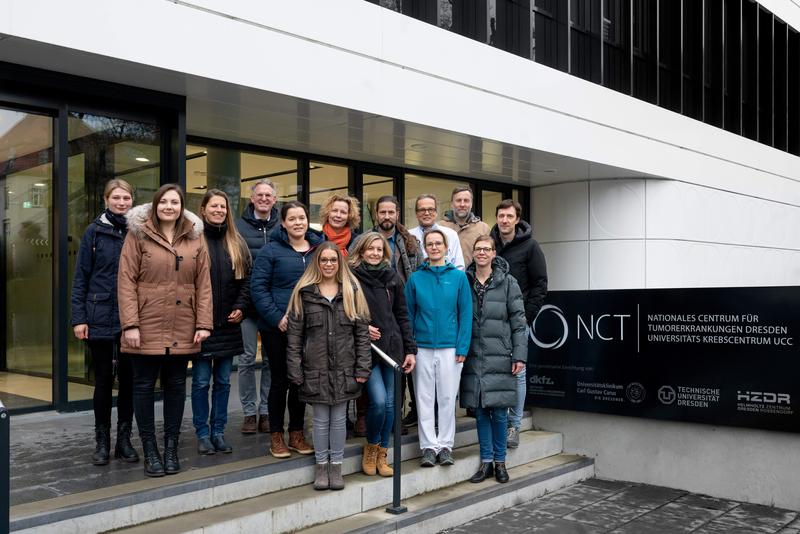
pixel 555 310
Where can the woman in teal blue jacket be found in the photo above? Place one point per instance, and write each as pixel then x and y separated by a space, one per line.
pixel 440 311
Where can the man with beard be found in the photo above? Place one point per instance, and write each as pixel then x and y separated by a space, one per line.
pixel 463 221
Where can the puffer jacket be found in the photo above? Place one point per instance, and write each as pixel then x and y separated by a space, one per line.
pixel 228 294
pixel 94 286
pixel 526 263
pixel 326 351
pixel 468 233
pixel 164 290
pixel 276 270
pixel 383 290
pixel 256 233
pixel 498 339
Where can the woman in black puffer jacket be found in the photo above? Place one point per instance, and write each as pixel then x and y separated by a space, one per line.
pixel 230 288
pixel 390 331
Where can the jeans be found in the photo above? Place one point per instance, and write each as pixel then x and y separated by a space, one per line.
pixel 103 352
pixel 515 412
pixel 247 371
pixel 146 369
pixel 492 424
pixel 202 370
pixel 329 432
pixel 276 340
pixel 380 413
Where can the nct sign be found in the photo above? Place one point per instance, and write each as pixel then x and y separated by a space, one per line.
pixel 722 356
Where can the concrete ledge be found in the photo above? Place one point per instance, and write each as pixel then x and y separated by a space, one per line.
pixel 190 491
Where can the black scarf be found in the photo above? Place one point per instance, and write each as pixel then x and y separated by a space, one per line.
pixel 117 220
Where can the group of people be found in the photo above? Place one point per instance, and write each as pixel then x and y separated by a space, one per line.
pixel 157 287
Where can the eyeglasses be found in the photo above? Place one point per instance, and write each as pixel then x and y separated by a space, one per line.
pixel 426 210
pixel 331 261
pixel 264 195
pixel 434 244
pixel 482 250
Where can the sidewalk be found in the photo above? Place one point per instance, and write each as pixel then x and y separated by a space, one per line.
pixel 601 506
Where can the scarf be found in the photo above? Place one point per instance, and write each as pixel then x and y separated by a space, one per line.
pixel 380 267
pixel 341 238
pixel 118 220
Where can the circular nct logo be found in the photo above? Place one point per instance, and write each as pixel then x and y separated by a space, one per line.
pixel 549 308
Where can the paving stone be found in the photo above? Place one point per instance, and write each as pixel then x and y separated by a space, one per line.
pixel 638 526
pixel 610 485
pixel 789 531
pixel 561 503
pixel 757 517
pixel 677 517
pixel 704 501
pixel 720 528
pixel 565 526
pixel 606 514
pixel 643 496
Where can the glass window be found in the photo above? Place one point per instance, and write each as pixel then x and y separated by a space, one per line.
pixel 103 148
pixel 417 185
pixel 324 179
pixel 490 200
pixel 374 187
pixel 26 180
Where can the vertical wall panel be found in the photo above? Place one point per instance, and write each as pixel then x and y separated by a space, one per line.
pixel 732 83
pixel 750 69
pixel 793 104
pixel 669 53
pixel 713 64
pixel 645 50
pixel 779 85
pixel 617 45
pixel 765 76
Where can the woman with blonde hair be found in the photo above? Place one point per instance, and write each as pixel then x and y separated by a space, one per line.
pixel 328 353
pixel 230 288
pixel 390 331
pixel 95 319
pixel 340 219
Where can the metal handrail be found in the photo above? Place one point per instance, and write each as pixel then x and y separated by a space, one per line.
pixel 396 507
pixel 5 468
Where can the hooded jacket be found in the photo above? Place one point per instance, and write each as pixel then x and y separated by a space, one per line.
pixel 499 337
pixel 468 233
pixel 440 307
pixel 526 263
pixel 228 294
pixel 383 290
pixel 256 233
pixel 276 270
pixel 94 286
pixel 164 289
pixel 326 351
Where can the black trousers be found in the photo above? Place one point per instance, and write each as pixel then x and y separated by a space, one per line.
pixel 146 370
pixel 103 352
pixel 278 399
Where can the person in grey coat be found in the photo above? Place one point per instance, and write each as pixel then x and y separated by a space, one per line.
pixel 497 353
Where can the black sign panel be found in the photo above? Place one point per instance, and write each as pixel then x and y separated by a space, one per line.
pixel 723 356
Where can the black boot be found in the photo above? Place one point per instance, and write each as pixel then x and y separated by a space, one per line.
pixel 171 464
pixel 124 450
pixel 500 472
pixel 152 459
pixel 102 438
pixel 484 471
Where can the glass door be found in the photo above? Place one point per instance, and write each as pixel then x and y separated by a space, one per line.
pixel 26 247
pixel 374 183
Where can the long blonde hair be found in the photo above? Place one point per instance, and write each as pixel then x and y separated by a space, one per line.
pixel 364 241
pixel 355 305
pixel 233 241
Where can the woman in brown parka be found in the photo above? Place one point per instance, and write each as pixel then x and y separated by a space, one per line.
pixel 165 311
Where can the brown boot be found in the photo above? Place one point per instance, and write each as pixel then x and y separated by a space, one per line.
pixel 277 447
pixel 263 424
pixel 249 424
pixel 321 480
pixel 384 469
pixel 335 479
pixel 369 458
pixel 297 442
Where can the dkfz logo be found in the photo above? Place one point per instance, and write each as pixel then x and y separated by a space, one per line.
pixel 763 396
pixel 603 327
pixel 541 380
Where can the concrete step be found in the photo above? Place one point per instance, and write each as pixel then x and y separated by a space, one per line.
pixel 464 502
pixel 152 499
pixel 301 507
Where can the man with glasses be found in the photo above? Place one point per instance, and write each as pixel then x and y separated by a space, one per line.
pixel 256 224
pixel 427 211
pixel 463 221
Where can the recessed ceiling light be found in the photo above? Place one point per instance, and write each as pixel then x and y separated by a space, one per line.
pixel 201 187
pixel 549 171
pixel 39 184
pixel 419 146
pixel 142 159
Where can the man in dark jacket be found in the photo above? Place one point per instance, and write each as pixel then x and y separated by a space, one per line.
pixel 513 238
pixel 256 224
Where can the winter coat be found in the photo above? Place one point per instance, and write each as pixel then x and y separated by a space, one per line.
pixel 386 299
pixel 276 270
pixel 499 337
pixel 526 263
pixel 326 351
pixel 467 234
pixel 94 286
pixel 404 263
pixel 440 307
pixel 228 294
pixel 164 290
pixel 256 233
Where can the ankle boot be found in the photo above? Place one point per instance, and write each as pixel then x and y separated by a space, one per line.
pixel 500 472
pixel 384 469
pixel 152 458
pixel 321 479
pixel 298 443
pixel 369 459
pixel 124 450
pixel 171 463
pixel 335 480
pixel 102 438
pixel 277 447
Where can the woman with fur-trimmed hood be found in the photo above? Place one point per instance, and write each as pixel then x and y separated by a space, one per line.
pixel 165 311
